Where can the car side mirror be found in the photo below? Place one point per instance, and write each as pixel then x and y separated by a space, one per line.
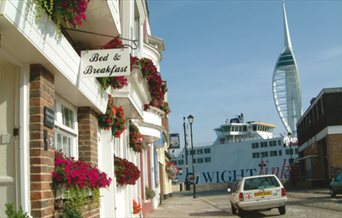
pixel 229 190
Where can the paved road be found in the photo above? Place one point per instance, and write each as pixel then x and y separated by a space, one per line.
pixel 215 204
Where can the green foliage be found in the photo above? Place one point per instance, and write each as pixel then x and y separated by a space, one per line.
pixel 75 198
pixel 150 193
pixel 11 212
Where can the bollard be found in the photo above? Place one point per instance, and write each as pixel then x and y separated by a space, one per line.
pixel 180 186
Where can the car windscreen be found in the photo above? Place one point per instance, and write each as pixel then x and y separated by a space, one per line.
pixel 260 183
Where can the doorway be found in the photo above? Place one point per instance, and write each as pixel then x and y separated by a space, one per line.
pixel 8 114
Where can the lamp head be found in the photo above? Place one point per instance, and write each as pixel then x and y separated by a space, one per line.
pixel 190 119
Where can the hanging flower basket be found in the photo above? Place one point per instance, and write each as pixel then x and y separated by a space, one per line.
pixel 113 119
pixel 150 193
pixel 126 172
pixel 119 122
pixel 69 172
pixel 135 138
pixel 171 170
pixel 106 120
pixel 72 12
pixel 165 107
pixel 147 67
pixel 154 81
pixel 76 183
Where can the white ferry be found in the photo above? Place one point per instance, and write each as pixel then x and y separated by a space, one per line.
pixel 241 149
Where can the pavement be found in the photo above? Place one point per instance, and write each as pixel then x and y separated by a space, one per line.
pixel 182 204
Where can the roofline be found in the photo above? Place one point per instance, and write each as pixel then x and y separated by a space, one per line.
pixel 319 96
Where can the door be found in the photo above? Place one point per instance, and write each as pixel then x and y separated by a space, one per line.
pixel 8 79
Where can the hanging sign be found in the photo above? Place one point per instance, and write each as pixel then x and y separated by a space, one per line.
pixel 105 63
pixel 174 141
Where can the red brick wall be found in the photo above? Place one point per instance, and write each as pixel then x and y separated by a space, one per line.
pixel 87 141
pixel 87 138
pixel 334 150
pixel 42 93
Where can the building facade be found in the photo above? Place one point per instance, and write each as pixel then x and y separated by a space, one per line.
pixel 47 105
pixel 320 138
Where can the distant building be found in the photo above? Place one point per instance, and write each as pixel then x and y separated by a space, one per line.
pixel 320 137
pixel 46 104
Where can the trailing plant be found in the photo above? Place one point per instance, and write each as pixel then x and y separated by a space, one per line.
pixel 72 12
pixel 150 193
pixel 126 172
pixel 119 122
pixel 113 119
pixel 135 138
pixel 154 82
pixel 165 107
pixel 120 81
pixel 11 212
pixel 147 67
pixel 117 82
pixel 106 120
pixel 78 181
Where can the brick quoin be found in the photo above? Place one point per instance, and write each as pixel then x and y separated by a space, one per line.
pixel 87 135
pixel 87 142
pixel 42 93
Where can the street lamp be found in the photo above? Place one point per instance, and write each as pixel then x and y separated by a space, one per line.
pixel 191 120
pixel 187 185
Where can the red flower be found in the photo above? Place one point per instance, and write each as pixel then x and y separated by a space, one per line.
pixel 171 170
pixel 71 172
pixel 136 207
pixel 135 138
pixel 125 171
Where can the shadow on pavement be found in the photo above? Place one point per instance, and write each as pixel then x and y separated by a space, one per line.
pixel 249 214
pixel 211 214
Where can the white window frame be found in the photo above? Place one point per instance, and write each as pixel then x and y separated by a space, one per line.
pixel 64 130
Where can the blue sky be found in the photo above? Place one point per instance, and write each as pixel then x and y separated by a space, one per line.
pixel 220 54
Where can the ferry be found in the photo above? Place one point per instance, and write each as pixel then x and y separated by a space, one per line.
pixel 240 149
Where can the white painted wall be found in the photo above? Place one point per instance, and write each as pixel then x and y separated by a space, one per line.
pixel 106 164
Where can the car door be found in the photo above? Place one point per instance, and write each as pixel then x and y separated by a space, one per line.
pixel 234 197
pixel 338 183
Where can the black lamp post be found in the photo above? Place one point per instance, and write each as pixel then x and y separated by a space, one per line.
pixel 289 135
pixel 187 184
pixel 191 120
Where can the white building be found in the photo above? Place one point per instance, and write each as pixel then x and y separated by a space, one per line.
pixel 40 80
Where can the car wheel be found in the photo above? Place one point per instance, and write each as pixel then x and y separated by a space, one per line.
pixel 282 210
pixel 234 211
pixel 332 192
